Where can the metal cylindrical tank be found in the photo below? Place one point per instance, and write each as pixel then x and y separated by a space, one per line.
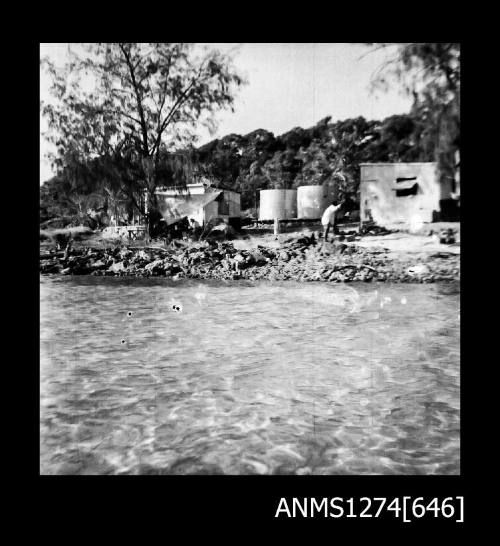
pixel 312 201
pixel 281 204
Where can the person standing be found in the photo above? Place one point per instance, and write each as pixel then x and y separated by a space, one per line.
pixel 196 229
pixel 328 219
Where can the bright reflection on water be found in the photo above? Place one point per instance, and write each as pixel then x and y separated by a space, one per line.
pixel 248 378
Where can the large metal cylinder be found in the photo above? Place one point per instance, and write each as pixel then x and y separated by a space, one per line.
pixel 281 204
pixel 312 201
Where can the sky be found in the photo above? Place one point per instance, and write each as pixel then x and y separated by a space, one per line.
pixel 289 85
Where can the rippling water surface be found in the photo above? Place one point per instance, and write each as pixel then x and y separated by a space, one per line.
pixel 262 378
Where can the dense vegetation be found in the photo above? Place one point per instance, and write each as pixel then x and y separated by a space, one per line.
pixel 114 145
pixel 260 160
pixel 326 152
pixel 118 112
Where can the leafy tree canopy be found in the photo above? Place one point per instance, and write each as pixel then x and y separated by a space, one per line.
pixel 107 147
pixel 430 72
pixel 127 105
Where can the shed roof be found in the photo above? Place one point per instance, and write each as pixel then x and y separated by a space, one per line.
pixel 400 163
pixel 183 191
pixel 174 208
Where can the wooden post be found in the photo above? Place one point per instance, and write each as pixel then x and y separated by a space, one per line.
pixel 276 227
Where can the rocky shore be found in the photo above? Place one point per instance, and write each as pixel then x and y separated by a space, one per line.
pixel 298 259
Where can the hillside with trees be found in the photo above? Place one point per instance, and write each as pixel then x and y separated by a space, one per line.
pixel 137 132
pixel 332 151
pixel 327 152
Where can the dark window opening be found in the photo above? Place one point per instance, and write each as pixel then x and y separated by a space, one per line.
pixel 404 192
pixel 404 186
pixel 401 179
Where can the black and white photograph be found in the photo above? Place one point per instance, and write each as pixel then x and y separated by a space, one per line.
pixel 249 259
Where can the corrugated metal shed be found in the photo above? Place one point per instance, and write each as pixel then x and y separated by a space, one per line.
pixel 174 208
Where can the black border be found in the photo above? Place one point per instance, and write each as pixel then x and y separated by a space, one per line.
pixel 252 498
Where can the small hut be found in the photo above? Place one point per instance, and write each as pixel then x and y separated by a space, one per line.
pixel 200 202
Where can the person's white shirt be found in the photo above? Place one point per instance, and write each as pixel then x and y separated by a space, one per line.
pixel 329 215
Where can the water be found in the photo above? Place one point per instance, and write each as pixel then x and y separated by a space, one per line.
pixel 244 378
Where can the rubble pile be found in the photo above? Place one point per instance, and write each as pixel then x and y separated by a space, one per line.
pixel 370 228
pixel 299 259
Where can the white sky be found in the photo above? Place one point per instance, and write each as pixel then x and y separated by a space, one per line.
pixel 289 85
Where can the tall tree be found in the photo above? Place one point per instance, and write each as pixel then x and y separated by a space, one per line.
pixel 134 102
pixel 430 72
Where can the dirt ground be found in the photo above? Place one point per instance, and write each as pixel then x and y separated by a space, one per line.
pixel 399 244
pixel 406 243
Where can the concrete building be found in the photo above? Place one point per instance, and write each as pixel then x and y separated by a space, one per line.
pixel 199 202
pixel 402 193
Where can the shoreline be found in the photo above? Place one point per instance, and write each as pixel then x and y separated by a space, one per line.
pixel 297 259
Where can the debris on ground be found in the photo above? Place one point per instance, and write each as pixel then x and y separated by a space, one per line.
pixel 300 258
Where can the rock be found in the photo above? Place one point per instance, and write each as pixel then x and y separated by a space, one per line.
pixel 258 258
pixel 98 264
pixel 118 267
pixel 419 269
pixel 125 253
pixel 154 266
pixel 296 260
pixel 141 256
pixel 447 240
